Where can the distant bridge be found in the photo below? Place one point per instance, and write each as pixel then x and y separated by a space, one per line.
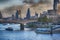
pixel 21 22
pixel 17 21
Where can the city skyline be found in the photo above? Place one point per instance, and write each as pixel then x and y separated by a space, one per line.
pixel 39 8
pixel 30 19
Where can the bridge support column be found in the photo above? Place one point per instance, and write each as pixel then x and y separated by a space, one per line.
pixel 21 26
pixel 51 31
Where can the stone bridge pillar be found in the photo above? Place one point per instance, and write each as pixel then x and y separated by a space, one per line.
pixel 51 31
pixel 21 26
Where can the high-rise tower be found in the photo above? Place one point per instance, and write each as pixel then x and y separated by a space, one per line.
pixel 12 17
pixel 0 15
pixel 55 4
pixel 17 14
pixel 36 14
pixel 28 14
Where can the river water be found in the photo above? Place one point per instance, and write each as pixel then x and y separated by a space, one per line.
pixel 24 35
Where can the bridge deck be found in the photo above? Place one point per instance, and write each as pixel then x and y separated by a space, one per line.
pixel 17 21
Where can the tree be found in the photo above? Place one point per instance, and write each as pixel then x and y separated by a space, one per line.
pixel 32 25
pixel 49 20
pixel 44 19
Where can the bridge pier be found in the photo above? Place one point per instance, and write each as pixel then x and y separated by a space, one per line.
pixel 51 31
pixel 21 26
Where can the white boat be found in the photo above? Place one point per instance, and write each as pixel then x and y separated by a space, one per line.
pixel 43 30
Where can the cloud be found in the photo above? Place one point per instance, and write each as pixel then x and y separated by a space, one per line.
pixel 8 3
pixel 39 1
pixel 2 1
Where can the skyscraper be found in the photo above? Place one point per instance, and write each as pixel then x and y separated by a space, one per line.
pixel 0 15
pixel 17 13
pixel 12 17
pixel 28 14
pixel 55 4
pixel 36 14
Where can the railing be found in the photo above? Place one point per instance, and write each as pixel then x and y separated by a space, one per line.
pixel 54 28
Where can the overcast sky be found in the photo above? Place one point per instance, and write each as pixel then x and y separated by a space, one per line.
pixel 7 3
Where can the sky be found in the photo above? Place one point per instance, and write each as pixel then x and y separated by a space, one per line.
pixel 8 3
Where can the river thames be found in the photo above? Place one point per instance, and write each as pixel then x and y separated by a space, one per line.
pixel 23 35
pixel 26 35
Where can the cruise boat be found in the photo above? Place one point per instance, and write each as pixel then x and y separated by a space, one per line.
pixel 9 29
